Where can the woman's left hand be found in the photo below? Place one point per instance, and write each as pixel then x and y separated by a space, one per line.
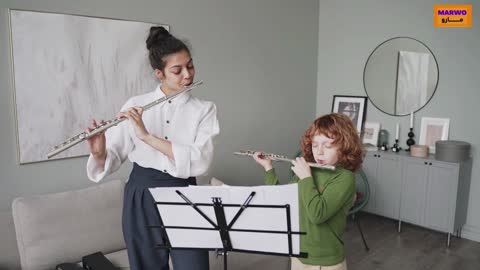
pixel 134 115
pixel 300 168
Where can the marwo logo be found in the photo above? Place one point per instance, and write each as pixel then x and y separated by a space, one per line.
pixel 452 15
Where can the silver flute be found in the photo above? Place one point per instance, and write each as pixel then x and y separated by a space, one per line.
pixel 110 123
pixel 283 158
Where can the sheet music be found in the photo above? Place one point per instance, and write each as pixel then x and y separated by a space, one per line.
pixel 253 218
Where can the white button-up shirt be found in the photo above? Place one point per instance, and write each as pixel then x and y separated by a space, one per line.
pixel 190 124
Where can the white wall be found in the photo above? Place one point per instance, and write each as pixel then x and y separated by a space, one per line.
pixel 257 59
pixel 350 30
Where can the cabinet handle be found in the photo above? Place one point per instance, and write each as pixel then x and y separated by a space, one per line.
pixel 426 163
pixel 375 155
pixel 430 163
pixel 378 155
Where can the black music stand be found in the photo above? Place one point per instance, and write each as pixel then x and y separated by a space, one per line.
pixel 223 228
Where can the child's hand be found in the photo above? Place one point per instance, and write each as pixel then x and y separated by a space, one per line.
pixel 301 168
pixel 264 161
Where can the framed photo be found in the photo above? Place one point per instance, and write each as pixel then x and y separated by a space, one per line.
pixel 352 106
pixel 370 133
pixel 432 130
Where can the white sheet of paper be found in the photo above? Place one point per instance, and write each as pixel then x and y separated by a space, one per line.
pixel 253 218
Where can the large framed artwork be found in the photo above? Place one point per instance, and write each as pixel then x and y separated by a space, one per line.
pixel 68 69
pixel 352 106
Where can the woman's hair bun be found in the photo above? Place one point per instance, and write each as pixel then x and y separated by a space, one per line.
pixel 161 43
pixel 156 36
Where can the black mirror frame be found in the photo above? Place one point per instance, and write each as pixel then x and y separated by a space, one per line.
pixel 436 84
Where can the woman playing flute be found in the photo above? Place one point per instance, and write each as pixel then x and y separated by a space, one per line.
pixel 169 146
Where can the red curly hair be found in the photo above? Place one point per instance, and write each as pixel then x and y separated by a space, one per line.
pixel 341 129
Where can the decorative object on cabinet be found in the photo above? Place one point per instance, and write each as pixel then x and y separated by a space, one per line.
pixel 411 135
pixel 410 140
pixel 396 147
pixel 454 151
pixel 433 130
pixel 370 136
pixel 370 133
pixel 423 191
pixel 352 106
pixel 418 150
pixel 400 76
pixel 383 139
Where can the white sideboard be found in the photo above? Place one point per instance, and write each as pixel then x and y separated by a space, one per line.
pixel 421 191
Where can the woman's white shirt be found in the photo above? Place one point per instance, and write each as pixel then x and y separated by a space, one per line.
pixel 188 123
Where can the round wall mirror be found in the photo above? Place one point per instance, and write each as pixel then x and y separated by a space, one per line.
pixel 400 76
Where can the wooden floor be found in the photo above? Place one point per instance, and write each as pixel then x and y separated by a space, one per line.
pixel 413 248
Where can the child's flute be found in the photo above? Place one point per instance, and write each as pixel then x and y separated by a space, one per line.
pixel 284 158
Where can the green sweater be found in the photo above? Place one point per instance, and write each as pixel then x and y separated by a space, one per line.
pixel 322 213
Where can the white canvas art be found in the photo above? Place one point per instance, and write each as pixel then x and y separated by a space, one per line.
pixel 412 81
pixel 69 69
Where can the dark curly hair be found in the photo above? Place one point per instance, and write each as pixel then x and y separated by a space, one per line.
pixel 341 129
pixel 160 43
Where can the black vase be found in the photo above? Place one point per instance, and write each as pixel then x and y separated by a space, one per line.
pixel 410 140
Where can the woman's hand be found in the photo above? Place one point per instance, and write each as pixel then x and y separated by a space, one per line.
pixel 265 162
pixel 300 168
pixel 97 143
pixel 134 115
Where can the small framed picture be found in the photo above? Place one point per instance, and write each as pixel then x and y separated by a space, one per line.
pixel 352 106
pixel 432 130
pixel 370 133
